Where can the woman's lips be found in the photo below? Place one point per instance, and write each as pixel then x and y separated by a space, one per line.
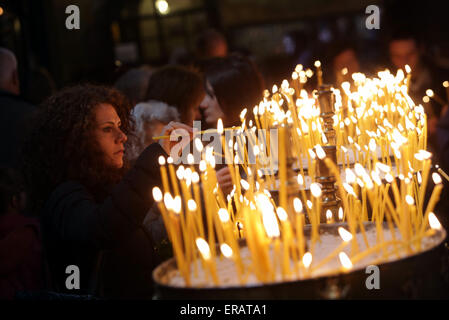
pixel 120 152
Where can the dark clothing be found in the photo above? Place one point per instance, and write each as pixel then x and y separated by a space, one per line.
pixel 430 77
pixel 14 113
pixel 105 240
pixel 21 262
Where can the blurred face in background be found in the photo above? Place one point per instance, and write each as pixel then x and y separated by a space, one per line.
pixel 210 106
pixel 347 59
pixel 404 52
pixel 109 136
pixel 152 129
pixel 196 112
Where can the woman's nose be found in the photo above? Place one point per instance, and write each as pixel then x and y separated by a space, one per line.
pixel 122 137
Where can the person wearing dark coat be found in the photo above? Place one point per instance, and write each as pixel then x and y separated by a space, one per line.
pixel 14 111
pixel 91 206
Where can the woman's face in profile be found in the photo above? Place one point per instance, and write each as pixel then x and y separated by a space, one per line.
pixel 211 108
pixel 109 136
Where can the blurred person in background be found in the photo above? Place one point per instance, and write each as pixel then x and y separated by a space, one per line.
pixel 406 49
pixel 14 111
pixel 134 84
pixel 150 118
pixel 211 43
pixel 344 62
pixel 22 265
pixel 232 84
pixel 180 87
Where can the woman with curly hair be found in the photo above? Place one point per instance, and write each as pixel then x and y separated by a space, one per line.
pixel 91 204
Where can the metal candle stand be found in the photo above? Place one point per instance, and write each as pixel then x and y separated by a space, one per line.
pixel 329 200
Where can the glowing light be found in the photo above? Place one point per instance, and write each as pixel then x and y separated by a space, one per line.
pixel 157 194
pixel 315 189
pixel 177 204
pixel 409 199
pixel 307 259
pixel 345 261
pixel 168 201
pixel 162 6
pixel 203 247
pixel 198 144
pixel 320 152
pixel 345 234
pixel 191 204
pixel 340 214
pixel 161 160
pixel 436 178
pixel 226 250
pixel 223 215
pixel 433 221
pixel 220 126
pixel 245 184
pixel 297 205
pixel 328 215
pixel 282 214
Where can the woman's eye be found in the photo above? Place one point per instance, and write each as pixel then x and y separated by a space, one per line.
pixel 107 129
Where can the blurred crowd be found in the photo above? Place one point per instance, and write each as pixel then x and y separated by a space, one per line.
pixel 77 170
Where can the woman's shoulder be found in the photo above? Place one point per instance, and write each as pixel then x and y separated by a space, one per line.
pixel 66 193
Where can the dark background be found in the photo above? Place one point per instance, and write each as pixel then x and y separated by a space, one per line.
pixel 117 35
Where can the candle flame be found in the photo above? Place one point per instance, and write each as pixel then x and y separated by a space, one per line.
pixel 433 221
pixel 195 177
pixel 307 259
pixel 407 68
pixel 436 178
pixel 297 205
pixel 223 215
pixel 198 144
pixel 345 261
pixel 168 201
pixel 203 247
pixel 220 126
pixel 409 199
pixel 245 184
pixel 191 204
pixel 340 213
pixel 345 234
pixel 320 152
pixel 190 159
pixel 282 214
pixel 161 160
pixel 315 189
pixel 300 179
pixel 157 194
pixel 309 204
pixel 328 215
pixel 226 250
pixel 177 203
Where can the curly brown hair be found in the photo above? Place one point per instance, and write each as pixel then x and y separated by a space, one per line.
pixel 60 147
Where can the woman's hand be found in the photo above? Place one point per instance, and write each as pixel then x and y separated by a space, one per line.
pixel 174 130
pixel 224 179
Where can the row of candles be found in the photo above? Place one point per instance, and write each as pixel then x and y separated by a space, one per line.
pixel 205 225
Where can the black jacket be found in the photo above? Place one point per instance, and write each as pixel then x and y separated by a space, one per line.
pixel 105 240
pixel 14 113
